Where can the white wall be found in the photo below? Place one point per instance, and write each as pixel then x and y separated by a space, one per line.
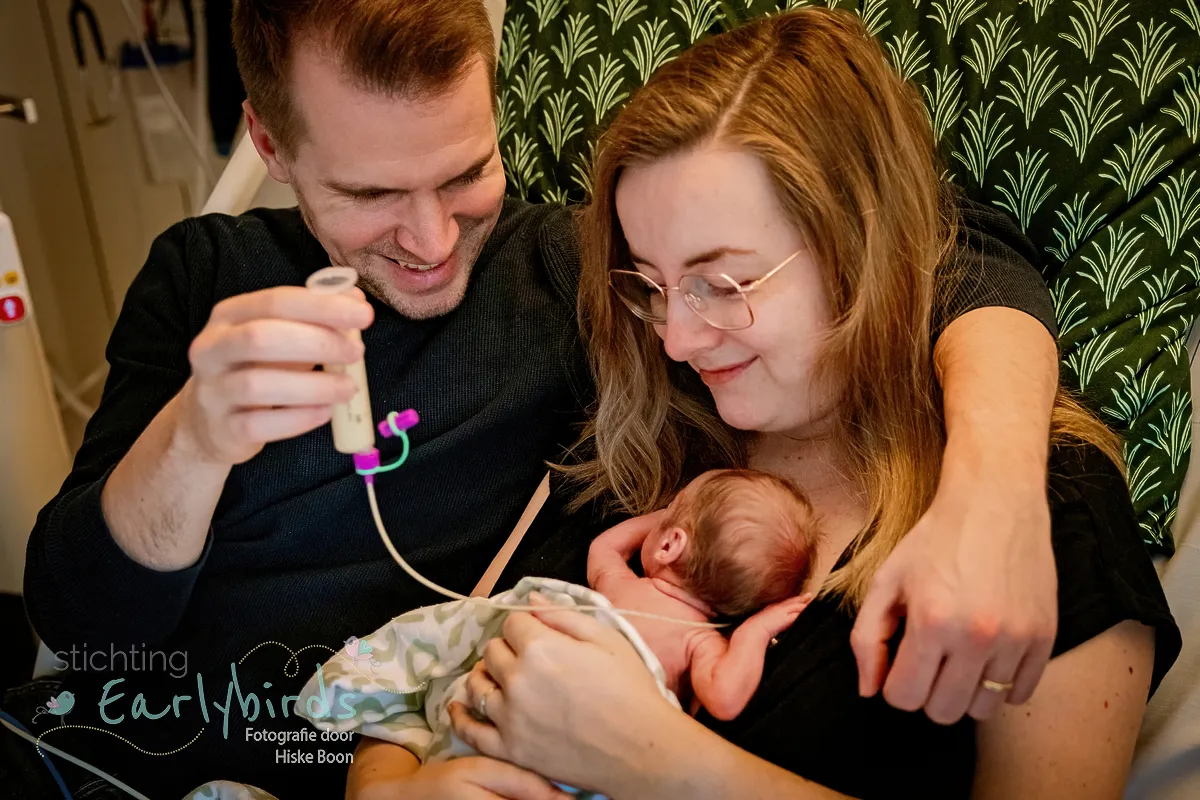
pixel 80 196
pixel 40 179
pixel 33 449
pixel 128 209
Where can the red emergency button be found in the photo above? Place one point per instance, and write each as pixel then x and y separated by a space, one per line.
pixel 12 309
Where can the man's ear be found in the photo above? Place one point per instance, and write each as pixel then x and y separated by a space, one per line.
pixel 672 546
pixel 265 145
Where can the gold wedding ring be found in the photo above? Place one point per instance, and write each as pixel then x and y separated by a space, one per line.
pixel 995 686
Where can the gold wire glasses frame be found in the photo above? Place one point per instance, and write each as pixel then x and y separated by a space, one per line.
pixel 719 300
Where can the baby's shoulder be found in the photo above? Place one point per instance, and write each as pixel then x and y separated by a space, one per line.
pixel 625 589
pixel 635 593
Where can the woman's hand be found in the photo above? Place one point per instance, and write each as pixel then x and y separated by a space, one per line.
pixel 975 581
pixel 569 698
pixel 384 771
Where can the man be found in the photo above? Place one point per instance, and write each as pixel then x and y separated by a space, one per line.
pixel 208 513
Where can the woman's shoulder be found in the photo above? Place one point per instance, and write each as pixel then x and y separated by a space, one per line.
pixel 1105 573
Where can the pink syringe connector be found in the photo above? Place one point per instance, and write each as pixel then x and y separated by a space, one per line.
pixel 397 422
pixel 366 463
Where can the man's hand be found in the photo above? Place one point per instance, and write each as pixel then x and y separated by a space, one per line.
pixel 976 582
pixel 252 382
pixel 252 369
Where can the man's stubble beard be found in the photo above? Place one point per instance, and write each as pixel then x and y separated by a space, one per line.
pixel 373 283
pixel 445 301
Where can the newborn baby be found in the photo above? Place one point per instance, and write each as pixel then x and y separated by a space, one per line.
pixel 730 543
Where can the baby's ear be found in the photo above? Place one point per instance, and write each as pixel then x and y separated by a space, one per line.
pixel 672 547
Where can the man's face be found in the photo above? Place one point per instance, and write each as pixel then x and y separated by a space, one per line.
pixel 405 191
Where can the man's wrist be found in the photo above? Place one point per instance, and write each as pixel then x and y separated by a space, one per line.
pixel 183 441
pixel 159 499
pixel 995 460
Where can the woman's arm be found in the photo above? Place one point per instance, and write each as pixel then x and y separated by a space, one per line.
pixel 385 771
pixel 569 698
pixel 1075 738
pixel 377 768
pixel 975 577
pixel 694 763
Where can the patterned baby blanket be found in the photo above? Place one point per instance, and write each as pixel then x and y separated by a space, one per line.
pixel 397 683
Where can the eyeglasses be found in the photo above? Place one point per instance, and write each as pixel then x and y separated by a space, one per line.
pixel 719 300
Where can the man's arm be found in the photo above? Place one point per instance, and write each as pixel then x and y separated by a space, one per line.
pixel 80 585
pixel 975 577
pixel 252 382
pixel 113 557
pixel 610 551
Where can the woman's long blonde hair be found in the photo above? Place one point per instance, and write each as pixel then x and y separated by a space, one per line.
pixel 851 157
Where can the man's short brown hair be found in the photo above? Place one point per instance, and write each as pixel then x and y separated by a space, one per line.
pixel 402 48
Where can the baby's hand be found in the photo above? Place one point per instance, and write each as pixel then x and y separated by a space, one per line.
pixel 778 617
pixel 724 677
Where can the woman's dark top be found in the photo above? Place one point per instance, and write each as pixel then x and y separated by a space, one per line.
pixel 807 716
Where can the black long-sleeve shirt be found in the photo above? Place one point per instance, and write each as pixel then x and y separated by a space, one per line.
pixel 292 556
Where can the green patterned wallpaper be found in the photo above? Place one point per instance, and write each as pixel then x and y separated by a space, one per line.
pixel 1080 118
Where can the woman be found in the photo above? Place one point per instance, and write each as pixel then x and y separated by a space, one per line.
pixel 757 288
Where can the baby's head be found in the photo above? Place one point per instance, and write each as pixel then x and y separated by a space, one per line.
pixel 736 539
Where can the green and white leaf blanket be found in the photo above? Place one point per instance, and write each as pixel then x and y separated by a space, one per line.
pixel 228 790
pixel 397 683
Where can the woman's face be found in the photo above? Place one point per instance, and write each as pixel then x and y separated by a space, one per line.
pixel 713 211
